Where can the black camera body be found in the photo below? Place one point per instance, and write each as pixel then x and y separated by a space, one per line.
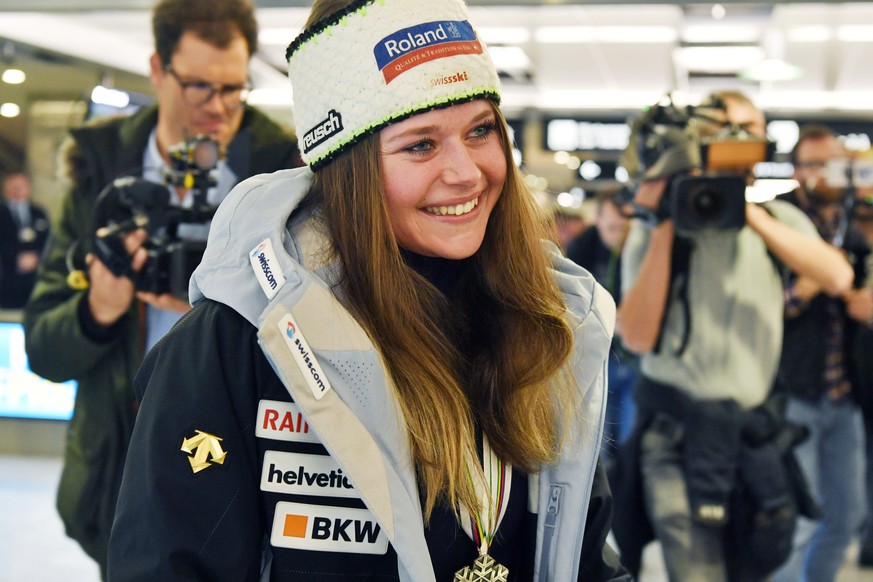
pixel 169 268
pixel 129 203
pixel 707 170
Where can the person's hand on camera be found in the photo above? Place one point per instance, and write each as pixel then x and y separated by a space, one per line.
pixel 110 297
pixel 859 304
pixel 166 301
pixel 649 193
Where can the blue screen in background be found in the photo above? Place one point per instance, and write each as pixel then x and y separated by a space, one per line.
pixel 23 394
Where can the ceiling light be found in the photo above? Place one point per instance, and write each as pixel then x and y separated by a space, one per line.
pixel 855 33
pixel 810 33
pixel 637 34
pixel 278 35
pixel 112 97
pixel 564 34
pixel 272 97
pixel 562 99
pixel 718 12
pixel 605 34
pixel 503 34
pixel 815 100
pixel 509 58
pixel 568 200
pixel 720 33
pixel 14 76
pixel 590 170
pixel 9 110
pixel 717 59
pixel 771 70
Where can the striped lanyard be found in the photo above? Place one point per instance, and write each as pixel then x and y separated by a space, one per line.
pixel 493 495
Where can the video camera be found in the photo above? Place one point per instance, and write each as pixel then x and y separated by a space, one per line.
pixel 130 203
pixel 706 161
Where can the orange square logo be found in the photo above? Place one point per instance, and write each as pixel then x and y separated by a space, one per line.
pixel 295 526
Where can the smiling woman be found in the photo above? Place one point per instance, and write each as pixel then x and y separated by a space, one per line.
pixel 400 300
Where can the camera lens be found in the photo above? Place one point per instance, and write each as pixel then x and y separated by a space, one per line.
pixel 707 205
pixel 206 153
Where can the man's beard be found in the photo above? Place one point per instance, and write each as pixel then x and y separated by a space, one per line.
pixel 821 195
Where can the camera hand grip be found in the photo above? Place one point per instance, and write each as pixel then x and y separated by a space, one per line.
pixel 110 251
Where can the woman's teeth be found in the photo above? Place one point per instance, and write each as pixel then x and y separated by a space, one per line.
pixel 457 209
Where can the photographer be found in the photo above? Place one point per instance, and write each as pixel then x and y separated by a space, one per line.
pixel 703 307
pixel 822 364
pixel 95 328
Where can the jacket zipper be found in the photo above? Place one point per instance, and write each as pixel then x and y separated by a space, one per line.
pixel 551 526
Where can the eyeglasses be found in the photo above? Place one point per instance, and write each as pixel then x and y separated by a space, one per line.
pixel 197 93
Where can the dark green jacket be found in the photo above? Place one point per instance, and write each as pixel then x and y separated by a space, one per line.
pixel 59 348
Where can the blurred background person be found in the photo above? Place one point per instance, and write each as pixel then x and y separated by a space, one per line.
pixel 568 223
pixel 598 249
pixel 821 370
pixel 200 74
pixel 24 230
pixel 862 347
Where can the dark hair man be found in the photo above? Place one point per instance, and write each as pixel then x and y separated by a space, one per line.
pixel 822 368
pixel 98 334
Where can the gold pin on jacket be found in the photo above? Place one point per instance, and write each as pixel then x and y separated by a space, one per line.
pixel 202 448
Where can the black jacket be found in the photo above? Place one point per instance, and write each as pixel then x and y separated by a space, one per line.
pixel 269 446
pixel 802 366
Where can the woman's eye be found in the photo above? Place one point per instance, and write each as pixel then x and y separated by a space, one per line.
pixel 420 147
pixel 483 130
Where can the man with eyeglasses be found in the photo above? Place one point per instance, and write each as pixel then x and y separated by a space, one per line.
pixel 96 331
pixel 822 369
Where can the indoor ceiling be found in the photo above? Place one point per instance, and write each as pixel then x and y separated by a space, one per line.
pixel 567 57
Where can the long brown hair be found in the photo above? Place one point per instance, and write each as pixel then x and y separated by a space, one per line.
pixel 515 383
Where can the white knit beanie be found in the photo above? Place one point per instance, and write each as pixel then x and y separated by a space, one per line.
pixel 379 61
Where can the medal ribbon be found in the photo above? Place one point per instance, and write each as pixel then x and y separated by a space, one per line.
pixel 493 494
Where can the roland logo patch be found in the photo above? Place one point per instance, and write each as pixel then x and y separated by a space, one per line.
pixel 409 47
pixel 323 130
pixel 266 267
pixel 303 356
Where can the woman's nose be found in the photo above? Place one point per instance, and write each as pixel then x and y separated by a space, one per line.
pixel 460 166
